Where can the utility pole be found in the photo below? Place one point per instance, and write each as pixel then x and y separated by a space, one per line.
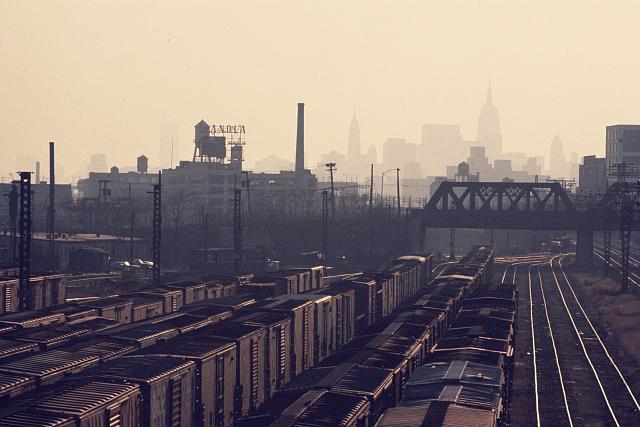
pixel 332 167
pixel 131 223
pixel 25 239
pixel 51 217
pixel 371 190
pixel 13 221
pixel 398 187
pixel 237 231
pixel 157 229
pixel 452 245
pixel 103 192
pixel 247 185
pixel 325 224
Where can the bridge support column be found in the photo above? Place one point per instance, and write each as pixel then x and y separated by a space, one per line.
pixel 584 248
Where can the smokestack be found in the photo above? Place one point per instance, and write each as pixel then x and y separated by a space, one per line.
pixel 300 140
pixel 37 172
pixel 52 202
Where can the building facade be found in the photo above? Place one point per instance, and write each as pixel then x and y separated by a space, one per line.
pixel 623 146
pixel 592 176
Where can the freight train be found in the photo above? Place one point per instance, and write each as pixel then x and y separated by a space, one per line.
pixel 206 352
pixel 395 344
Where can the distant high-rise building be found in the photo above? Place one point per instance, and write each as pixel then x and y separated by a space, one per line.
pixel 441 145
pixel 623 146
pixel 372 155
pixel 592 176
pixel 396 152
pixel 489 134
pixel 97 163
pixel 354 156
pixel 557 161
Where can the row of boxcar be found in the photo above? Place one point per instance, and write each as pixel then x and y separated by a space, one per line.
pixel 375 371
pixel 467 375
pixel 42 292
pixel 240 349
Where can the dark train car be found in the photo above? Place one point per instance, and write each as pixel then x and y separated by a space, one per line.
pixel 36 418
pixel 326 408
pixel 185 322
pixel 251 368
pixel 233 302
pixel 73 312
pixel 387 288
pixel 95 403
pixel 94 325
pixel 13 385
pixel 146 335
pixel 31 319
pixel 283 283
pixel 395 363
pixel 102 347
pixel 278 345
pixel 10 348
pixel 423 264
pixel 373 383
pixel 146 307
pixel 302 317
pixel 167 385
pixel 422 335
pixel 215 376
pixel 344 309
pixel 46 291
pixel 441 303
pixel 213 314
pixel 192 291
pixel 433 320
pixel 173 299
pixel 49 367
pixel 9 295
pixel 114 308
pixel 447 413
pixel 324 338
pixel 50 337
pixel 410 348
pixel 365 300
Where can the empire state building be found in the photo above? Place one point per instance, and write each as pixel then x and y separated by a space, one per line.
pixel 489 135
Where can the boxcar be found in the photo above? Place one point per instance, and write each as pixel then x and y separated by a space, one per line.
pixel 31 319
pixel 9 295
pixel 192 291
pixel 167 385
pixel 251 366
pixel 146 307
pixel 115 308
pixel 96 404
pixel 213 314
pixel 10 348
pixel 49 367
pixel 146 335
pixel 302 317
pixel 373 383
pixel 324 338
pixel 344 310
pixel 35 418
pixel 215 376
pixel 278 343
pixel 326 408
pixel 173 298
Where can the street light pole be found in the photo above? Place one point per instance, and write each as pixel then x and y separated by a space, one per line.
pixel 382 185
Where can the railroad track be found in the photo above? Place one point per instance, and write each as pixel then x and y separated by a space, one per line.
pixel 576 381
pixel 616 262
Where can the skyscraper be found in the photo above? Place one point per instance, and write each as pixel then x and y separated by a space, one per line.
pixel 353 146
pixel 557 162
pixel 489 134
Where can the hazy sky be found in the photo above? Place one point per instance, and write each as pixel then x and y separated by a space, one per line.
pixel 119 77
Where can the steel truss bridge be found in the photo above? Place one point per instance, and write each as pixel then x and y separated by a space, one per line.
pixel 532 206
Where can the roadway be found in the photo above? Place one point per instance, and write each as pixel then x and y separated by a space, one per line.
pixel 565 372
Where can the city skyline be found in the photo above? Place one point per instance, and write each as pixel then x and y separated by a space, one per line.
pixel 105 94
